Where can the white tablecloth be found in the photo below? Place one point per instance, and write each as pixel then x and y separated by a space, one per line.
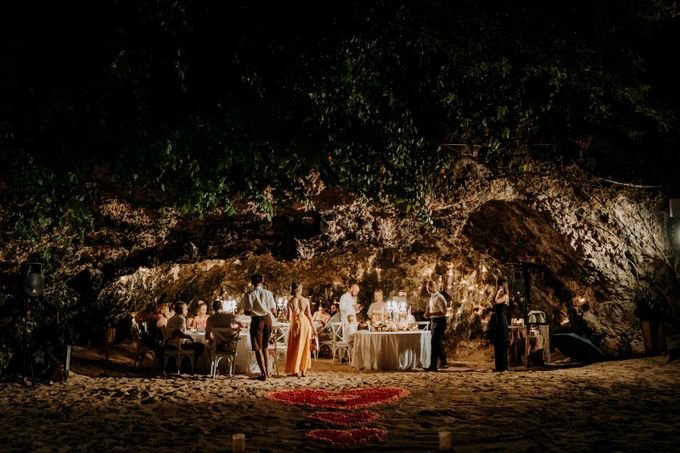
pixel 245 361
pixel 391 350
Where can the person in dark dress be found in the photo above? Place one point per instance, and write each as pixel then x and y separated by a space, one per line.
pixel 500 343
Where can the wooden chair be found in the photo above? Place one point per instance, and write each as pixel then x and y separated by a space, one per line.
pixel 278 345
pixel 138 333
pixel 339 347
pixel 173 349
pixel 327 343
pixel 223 346
pixel 423 325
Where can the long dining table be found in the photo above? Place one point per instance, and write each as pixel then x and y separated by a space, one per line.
pixel 404 350
pixel 244 362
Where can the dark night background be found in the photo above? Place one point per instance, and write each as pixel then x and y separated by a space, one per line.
pixel 207 106
pixel 205 102
pixel 156 151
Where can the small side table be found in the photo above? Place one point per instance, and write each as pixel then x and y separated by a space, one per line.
pixel 544 334
pixel 519 335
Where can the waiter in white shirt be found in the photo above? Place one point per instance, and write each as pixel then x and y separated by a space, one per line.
pixel 349 306
pixel 259 305
pixel 436 312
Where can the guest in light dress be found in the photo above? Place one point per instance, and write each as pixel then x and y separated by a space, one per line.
pixel 300 333
pixel 320 319
pixel 376 312
pixel 407 321
pixel 198 321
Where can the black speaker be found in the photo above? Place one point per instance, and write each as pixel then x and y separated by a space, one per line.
pixel 34 280
pixel 518 286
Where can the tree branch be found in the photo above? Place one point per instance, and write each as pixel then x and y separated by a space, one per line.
pixel 627 184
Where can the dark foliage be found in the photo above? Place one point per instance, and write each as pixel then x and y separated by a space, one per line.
pixel 204 104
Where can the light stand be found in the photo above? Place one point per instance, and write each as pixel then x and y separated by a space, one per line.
pixel 26 353
pixel 521 288
pixel 33 287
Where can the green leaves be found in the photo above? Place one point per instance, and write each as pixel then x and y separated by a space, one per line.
pixel 50 201
pixel 210 105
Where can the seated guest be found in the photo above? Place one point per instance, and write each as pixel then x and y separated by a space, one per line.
pixel 198 321
pixel 376 312
pixel 335 314
pixel 407 321
pixel 350 328
pixel 220 319
pixel 162 315
pixel 177 328
pixel 151 329
pixel 320 318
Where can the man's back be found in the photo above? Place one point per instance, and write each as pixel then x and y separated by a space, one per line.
pixel 177 322
pixel 220 319
pixel 261 302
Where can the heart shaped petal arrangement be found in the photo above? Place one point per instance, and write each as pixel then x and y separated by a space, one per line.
pixel 347 438
pixel 346 418
pixel 339 399
pixel 342 399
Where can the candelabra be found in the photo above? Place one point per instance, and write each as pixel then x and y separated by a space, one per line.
pixel 229 305
pixel 392 308
pixel 280 304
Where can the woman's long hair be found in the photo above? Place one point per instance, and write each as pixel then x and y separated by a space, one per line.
pixel 293 288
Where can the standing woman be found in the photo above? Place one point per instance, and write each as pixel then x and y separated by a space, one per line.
pixel 300 333
pixel 500 343
pixel 376 312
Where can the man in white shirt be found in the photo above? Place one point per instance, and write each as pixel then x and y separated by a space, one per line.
pixel 177 329
pixel 436 312
pixel 349 306
pixel 259 305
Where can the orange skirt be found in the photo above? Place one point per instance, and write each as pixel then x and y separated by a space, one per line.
pixel 298 354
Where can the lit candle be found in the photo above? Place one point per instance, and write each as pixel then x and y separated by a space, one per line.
pixel 238 442
pixel 445 440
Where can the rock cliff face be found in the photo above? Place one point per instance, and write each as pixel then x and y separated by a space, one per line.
pixel 585 245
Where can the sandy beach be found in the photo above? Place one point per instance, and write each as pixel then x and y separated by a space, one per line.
pixel 628 405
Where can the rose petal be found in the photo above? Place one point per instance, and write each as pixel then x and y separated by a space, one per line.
pixel 338 399
pixel 346 418
pixel 346 438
